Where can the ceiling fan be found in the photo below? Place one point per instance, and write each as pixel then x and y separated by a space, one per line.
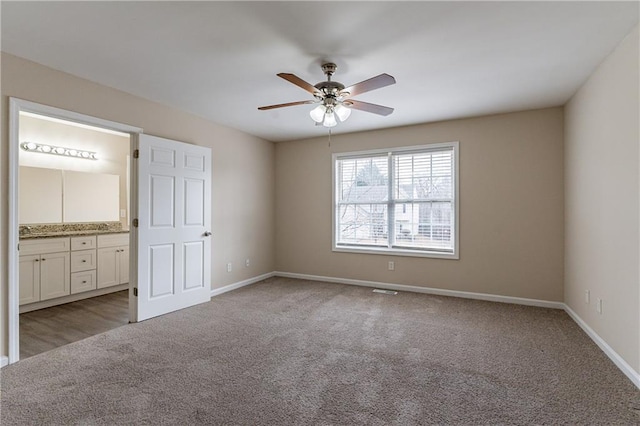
pixel 334 98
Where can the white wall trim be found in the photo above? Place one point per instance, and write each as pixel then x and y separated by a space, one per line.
pixel 428 290
pixel 68 115
pixel 17 105
pixel 4 361
pixel 218 291
pixel 633 375
pixel 72 298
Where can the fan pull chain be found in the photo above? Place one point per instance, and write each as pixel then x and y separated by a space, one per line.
pixel 329 138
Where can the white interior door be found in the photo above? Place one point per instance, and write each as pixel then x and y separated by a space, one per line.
pixel 174 224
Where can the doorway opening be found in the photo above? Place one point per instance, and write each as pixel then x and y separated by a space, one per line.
pixel 69 212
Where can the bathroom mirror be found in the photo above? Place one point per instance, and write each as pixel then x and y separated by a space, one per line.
pixel 64 196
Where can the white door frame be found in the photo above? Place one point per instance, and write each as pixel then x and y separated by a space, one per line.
pixel 15 107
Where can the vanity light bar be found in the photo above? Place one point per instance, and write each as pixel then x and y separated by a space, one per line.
pixel 58 150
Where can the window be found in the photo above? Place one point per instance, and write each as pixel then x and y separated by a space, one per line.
pixel 399 201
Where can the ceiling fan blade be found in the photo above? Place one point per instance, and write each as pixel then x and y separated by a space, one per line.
pixel 373 83
pixel 264 108
pixel 365 106
pixel 292 78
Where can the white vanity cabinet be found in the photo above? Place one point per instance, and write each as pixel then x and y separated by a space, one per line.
pixel 52 268
pixel 113 260
pixel 44 269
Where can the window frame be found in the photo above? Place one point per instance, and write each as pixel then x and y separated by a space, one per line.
pixel 396 251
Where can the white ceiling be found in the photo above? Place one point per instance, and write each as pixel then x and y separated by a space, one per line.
pixel 219 60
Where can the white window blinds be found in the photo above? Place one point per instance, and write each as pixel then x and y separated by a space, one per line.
pixel 401 200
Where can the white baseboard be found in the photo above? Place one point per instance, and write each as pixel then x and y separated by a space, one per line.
pixel 4 361
pixel 428 290
pixel 633 375
pixel 72 298
pixel 226 288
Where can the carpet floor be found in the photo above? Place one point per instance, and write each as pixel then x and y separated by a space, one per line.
pixel 287 351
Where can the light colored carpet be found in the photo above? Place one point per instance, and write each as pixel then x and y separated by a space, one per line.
pixel 288 351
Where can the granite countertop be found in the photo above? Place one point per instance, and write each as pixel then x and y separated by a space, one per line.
pixel 59 234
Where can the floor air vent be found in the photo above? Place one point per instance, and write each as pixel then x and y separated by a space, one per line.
pixel 377 290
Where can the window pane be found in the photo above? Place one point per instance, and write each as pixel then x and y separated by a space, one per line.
pixel 363 224
pixel 363 179
pixel 427 175
pixel 426 225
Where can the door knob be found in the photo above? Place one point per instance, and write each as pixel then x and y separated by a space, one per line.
pixel 207 234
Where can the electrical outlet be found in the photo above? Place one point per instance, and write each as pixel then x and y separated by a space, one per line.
pixel 229 267
pixel 247 263
pixel 123 213
pixel 587 296
pixel 599 306
pixel 392 266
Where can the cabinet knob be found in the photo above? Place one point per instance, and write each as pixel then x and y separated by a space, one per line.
pixel 37 260
pixel 84 243
pixel 207 234
pixel 44 259
pixel 84 261
pixel 84 282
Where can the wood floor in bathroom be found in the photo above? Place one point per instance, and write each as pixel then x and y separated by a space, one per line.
pixel 46 329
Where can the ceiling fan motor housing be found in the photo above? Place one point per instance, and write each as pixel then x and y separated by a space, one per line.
pixel 329 89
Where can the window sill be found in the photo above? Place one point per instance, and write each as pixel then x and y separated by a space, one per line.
pixel 397 252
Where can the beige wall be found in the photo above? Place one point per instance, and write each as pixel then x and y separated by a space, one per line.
pixel 511 207
pixel 243 165
pixel 602 196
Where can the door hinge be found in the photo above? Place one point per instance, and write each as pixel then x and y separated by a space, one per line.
pixel 135 291
pixel 136 153
pixel 135 223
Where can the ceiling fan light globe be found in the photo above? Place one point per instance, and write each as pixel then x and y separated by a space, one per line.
pixel 330 120
pixel 342 112
pixel 317 114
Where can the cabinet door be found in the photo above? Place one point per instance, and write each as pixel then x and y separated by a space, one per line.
pixel 124 264
pixel 29 279
pixel 108 267
pixel 55 275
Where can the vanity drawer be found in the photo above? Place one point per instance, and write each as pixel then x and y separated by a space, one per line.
pixel 83 243
pixel 83 260
pixel 44 245
pixel 113 240
pixel 83 281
